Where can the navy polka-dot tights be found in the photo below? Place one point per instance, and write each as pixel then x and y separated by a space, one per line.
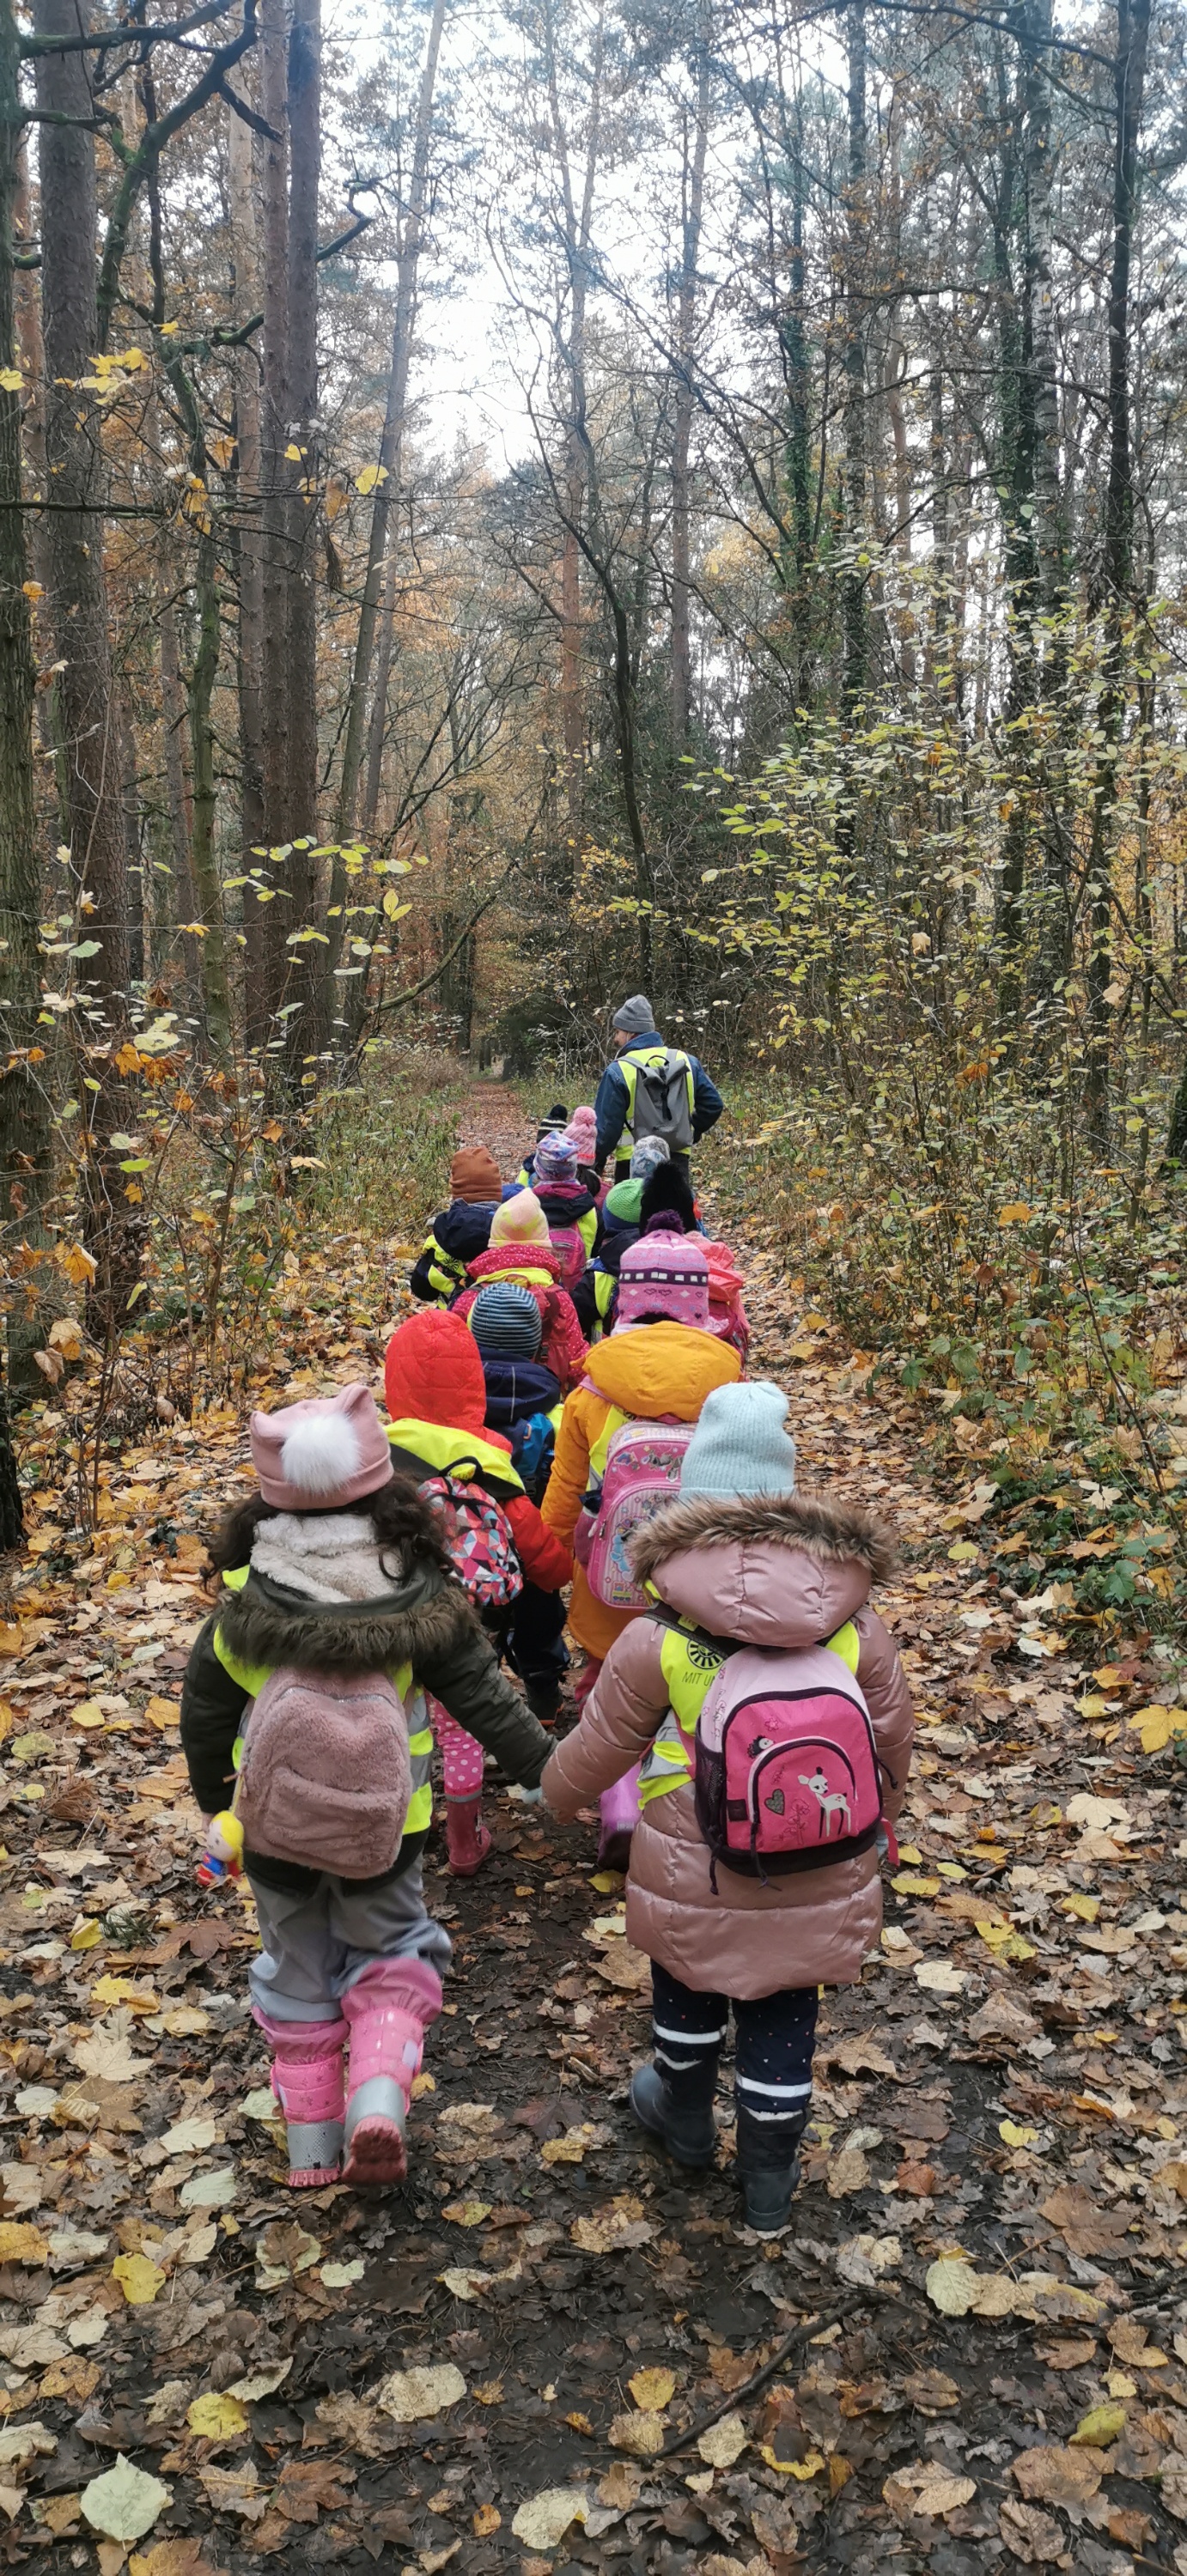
pixel 773 2066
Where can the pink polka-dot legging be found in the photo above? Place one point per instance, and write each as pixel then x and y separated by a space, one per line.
pixel 461 1754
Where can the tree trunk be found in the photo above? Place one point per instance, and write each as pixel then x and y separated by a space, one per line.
pixel 1133 28
pixel 855 625
pixel 86 708
pixel 383 669
pixel 250 566
pixel 26 1135
pixel 303 1026
pixel 274 438
pixel 693 192
pixel 578 224
pixel 799 451
pixel 407 265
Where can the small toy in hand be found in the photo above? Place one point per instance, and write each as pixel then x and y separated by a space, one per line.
pixel 223 1856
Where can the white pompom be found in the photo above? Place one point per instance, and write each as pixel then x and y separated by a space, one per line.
pixel 320 1454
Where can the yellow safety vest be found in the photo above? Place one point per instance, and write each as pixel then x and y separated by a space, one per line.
pixel 690 1663
pixel 252 1677
pixel 652 1060
pixel 446 1272
pixel 441 1448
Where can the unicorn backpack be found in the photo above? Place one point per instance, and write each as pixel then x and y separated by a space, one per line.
pixel 642 1472
pixel 786 1773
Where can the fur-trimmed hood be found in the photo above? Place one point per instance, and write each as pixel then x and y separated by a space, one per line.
pixel 267 1623
pixel 773 1569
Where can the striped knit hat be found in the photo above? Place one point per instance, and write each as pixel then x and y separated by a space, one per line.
pixel 505 1321
pixel 665 1275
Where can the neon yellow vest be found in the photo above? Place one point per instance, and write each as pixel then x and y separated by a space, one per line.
pixel 443 1448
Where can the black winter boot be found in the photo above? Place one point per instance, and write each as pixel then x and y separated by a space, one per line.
pixel 769 2168
pixel 543 1698
pixel 680 2114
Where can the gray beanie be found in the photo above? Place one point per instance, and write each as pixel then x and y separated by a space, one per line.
pixel 505 1320
pixel 647 1155
pixel 634 1015
pixel 740 1445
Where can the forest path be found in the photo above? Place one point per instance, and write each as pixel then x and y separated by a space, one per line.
pixel 1002 2097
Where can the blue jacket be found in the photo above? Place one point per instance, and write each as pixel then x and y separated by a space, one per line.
pixel 612 1099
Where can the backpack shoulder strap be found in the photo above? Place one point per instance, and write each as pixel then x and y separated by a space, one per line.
pixel 668 1618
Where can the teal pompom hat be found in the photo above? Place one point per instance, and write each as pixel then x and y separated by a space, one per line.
pixel 740 1444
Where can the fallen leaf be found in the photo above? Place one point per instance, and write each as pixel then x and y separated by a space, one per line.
pixel 140 2279
pixel 339 2276
pixel 951 2285
pixel 1085 2226
pixel 20 2442
pixel 620 2225
pixel 847 2172
pixel 467 2213
pixel 414 2396
pixel 653 2389
pixel 542 2521
pixel 1032 2536
pixel 487 2519
pixel 723 2443
pixel 641 2435
pixel 216 2415
pixel 931 2392
pixel 21 2243
pixel 939 1977
pixel 1101 2425
pixel 124 2503
pixel 1058 2475
pixel 927 2488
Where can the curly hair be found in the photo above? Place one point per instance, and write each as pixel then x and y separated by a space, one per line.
pixel 399 1516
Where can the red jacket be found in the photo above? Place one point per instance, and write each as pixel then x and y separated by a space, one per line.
pixel 433 1373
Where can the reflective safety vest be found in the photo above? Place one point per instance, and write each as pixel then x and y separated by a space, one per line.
pixel 690 1662
pixel 604 1287
pixel 653 1060
pixel 444 1449
pixel 252 1677
pixel 446 1273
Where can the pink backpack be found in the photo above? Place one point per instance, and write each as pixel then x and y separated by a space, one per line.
pixel 479 1537
pixel 326 1775
pixel 786 1772
pixel 569 1245
pixel 642 1472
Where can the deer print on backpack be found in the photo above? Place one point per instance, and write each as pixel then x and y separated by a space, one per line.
pixel 831 1803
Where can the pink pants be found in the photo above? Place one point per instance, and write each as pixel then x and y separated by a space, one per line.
pixel 461 1754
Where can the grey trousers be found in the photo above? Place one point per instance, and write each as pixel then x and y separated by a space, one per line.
pixel 312 1948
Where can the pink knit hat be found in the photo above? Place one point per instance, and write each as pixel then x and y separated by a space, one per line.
pixel 583 1128
pixel 519 1220
pixel 664 1274
pixel 322 1455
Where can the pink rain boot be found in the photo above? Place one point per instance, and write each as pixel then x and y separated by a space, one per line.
pixel 389 2009
pixel 619 1811
pixel 467 1839
pixel 307 2080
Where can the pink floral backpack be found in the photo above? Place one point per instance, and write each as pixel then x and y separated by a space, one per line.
pixel 641 1472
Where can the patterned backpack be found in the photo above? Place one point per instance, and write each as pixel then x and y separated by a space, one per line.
pixel 568 1243
pixel 479 1538
pixel 786 1772
pixel 642 1472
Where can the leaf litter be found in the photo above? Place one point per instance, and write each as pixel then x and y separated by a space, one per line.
pixel 201 2371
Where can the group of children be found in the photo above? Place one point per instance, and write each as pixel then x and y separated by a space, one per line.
pixel 567 1416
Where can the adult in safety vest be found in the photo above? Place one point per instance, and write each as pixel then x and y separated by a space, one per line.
pixel 651 1089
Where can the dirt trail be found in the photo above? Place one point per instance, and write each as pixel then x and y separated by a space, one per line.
pixel 1003 2098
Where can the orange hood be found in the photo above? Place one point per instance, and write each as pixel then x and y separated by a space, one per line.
pixel 661 1368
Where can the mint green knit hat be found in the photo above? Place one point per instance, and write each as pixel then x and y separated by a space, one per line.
pixel 740 1444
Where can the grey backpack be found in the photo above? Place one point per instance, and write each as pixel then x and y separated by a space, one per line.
pixel 326 1773
pixel 661 1100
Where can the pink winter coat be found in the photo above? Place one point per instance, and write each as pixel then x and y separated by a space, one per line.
pixel 772 1570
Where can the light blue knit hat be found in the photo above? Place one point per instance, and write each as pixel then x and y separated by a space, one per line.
pixel 740 1445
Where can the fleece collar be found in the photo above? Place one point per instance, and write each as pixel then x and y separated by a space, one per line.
pixel 267 1624
pixel 831 1532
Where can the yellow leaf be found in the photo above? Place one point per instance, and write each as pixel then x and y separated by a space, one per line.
pixel 371 476
pixel 652 2389
pixel 11 379
pixel 1156 1725
pixel 1085 1907
pixel 467 2213
pixel 163 1712
pixel 108 1991
pixel 33 590
pixel 215 2416
pixel 88 1713
pixel 140 2280
pixel 963 1553
pixel 908 1883
pixel 21 2243
pixel 1004 1942
pixel 1014 2133
pixel 909 1852
pixel 1017 1213
pixel 222 450
pixel 294 454
pixel 809 2467
pixel 1102 2425
pixel 88 1935
pixel 487 2519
